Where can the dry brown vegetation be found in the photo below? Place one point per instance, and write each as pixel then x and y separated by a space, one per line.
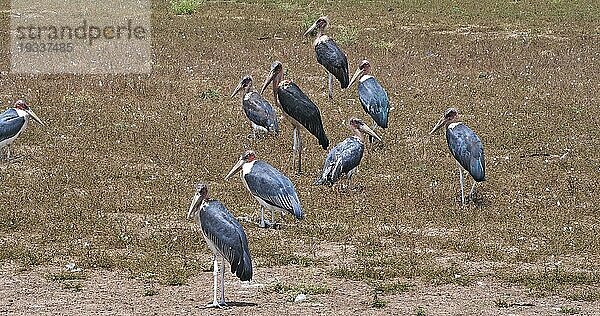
pixel 106 184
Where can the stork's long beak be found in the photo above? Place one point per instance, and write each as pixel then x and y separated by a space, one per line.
pixel 357 74
pixel 35 117
pixel 310 29
pixel 437 126
pixel 237 89
pixel 193 205
pixel 235 168
pixel 369 131
pixel 270 78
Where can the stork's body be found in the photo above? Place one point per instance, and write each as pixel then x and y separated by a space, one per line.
pixel 466 147
pixel 260 113
pixel 345 157
pixel 13 122
pixel 224 236
pixel 330 55
pixel 372 96
pixel 298 109
pixel 273 190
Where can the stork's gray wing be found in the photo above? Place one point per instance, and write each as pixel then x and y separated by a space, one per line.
pixel 374 100
pixel 273 187
pixel 299 107
pixel 9 113
pixel 260 112
pixel 467 148
pixel 10 125
pixel 331 56
pixel 227 236
pixel 344 157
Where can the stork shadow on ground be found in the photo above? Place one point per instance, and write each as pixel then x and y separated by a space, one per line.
pixel 231 305
pixel 477 200
pixel 256 221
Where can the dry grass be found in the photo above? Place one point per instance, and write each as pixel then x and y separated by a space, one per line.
pixel 107 183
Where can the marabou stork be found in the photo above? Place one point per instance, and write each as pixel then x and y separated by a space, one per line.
pixel 298 109
pixel 465 146
pixel 270 188
pixel 257 109
pixel 13 122
pixel 345 157
pixel 330 55
pixel 372 96
pixel 224 236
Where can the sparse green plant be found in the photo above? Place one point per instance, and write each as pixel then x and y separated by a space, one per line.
pixel 293 290
pixel 550 281
pixel 501 303
pixel 69 280
pixel 77 100
pixel 384 45
pixel 150 292
pixel 67 276
pixel 347 35
pixel 98 259
pixel 75 286
pixel 378 302
pixel 182 7
pixel 286 5
pixel 210 94
pixel 587 295
pixel 448 275
pixel 420 311
pixel 393 287
pixel 569 310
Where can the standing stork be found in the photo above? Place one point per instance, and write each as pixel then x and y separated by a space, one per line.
pixel 298 109
pixel 345 157
pixel 372 96
pixel 13 122
pixel 270 188
pixel 330 55
pixel 224 236
pixel 465 146
pixel 257 109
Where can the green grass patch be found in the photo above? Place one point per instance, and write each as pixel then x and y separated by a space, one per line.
pixel 71 281
pixel 378 302
pixel 590 294
pixel 150 292
pixel 554 281
pixel 184 7
pixel 210 94
pixel 569 310
pixel 26 258
pixel 347 35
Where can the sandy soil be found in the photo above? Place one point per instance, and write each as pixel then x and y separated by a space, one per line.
pixel 113 293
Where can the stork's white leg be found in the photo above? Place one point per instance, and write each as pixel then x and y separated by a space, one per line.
pixel 295 146
pixel 375 126
pixel 462 184
pixel 215 303
pixel 8 152
pixel 330 83
pixel 472 191
pixel 262 217
pixel 299 153
pixel 272 217
pixel 223 283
